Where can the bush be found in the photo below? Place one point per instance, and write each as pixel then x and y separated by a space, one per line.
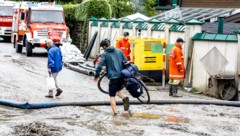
pixel 93 8
pixel 69 9
pixel 87 9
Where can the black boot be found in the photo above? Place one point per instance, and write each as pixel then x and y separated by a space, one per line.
pixel 59 91
pixel 175 91
pixel 170 90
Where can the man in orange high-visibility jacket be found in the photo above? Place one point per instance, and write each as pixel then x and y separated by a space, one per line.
pixel 124 45
pixel 176 67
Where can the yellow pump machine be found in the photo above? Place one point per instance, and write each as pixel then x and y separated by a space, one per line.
pixel 147 54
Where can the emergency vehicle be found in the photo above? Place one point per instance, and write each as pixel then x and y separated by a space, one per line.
pixel 6 13
pixel 34 23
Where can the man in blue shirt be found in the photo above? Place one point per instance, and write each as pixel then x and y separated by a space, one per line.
pixel 54 65
pixel 113 59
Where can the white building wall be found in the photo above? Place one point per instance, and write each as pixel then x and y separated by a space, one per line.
pixel 104 33
pixel 175 35
pixel 130 31
pixel 201 48
pixel 144 33
pixel 200 75
pixel 115 33
pixel 158 34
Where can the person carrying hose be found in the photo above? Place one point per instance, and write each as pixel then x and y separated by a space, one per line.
pixel 124 45
pixel 176 68
pixel 113 59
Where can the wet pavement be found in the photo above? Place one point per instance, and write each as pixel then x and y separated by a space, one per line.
pixel 23 79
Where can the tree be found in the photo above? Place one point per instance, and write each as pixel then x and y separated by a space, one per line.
pixel 149 7
pixel 121 8
pixel 145 7
pixel 87 9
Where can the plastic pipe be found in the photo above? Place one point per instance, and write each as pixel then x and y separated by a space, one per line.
pixel 86 67
pixel 80 70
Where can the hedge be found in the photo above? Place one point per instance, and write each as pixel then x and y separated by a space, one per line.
pixel 93 8
pixel 87 9
pixel 69 9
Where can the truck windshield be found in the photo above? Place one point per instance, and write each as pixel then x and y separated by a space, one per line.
pixel 47 16
pixel 6 10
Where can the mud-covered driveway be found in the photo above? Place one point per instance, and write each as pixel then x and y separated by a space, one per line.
pixel 24 79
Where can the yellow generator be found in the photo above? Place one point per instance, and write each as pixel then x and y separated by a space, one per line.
pixel 147 54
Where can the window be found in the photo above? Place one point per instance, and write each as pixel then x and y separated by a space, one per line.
pixel 6 10
pixel 47 16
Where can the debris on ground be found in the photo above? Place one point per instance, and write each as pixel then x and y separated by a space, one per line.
pixel 38 129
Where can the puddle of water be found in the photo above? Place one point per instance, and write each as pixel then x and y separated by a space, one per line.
pixel 117 123
pixel 174 119
pixel 173 110
pixel 146 115
pixel 126 115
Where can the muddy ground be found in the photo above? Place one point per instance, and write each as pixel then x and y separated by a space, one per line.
pixel 24 79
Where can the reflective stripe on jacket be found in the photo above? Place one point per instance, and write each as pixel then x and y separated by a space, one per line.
pixel 176 63
pixel 124 45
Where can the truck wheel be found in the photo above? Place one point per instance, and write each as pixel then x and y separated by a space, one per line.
pixel 18 48
pixel 28 48
pixel 7 39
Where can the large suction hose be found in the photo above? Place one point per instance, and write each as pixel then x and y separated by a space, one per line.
pixel 26 105
pixel 80 70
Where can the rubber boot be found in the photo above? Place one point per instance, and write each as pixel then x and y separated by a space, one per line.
pixel 59 91
pixel 126 103
pixel 170 90
pixel 50 94
pixel 175 91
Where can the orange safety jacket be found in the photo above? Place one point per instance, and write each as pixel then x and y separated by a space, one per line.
pixel 176 63
pixel 124 45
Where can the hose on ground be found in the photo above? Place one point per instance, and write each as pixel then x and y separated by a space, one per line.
pixel 26 105
pixel 80 70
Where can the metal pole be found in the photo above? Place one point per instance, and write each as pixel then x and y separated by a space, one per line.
pixel 164 65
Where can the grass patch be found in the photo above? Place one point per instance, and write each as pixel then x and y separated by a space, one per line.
pixel 193 90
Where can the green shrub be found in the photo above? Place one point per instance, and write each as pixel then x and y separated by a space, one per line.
pixel 69 9
pixel 93 8
pixel 87 9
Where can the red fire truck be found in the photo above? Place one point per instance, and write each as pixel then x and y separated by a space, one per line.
pixel 6 13
pixel 34 23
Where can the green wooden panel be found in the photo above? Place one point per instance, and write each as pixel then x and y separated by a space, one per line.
pixel 127 26
pixel 168 48
pixel 154 20
pixel 142 26
pixel 157 48
pixel 113 20
pixel 194 22
pixel 125 20
pixel 138 20
pixel 158 27
pixel 177 28
pixel 94 23
pixel 104 24
pixel 215 37
pixel 115 25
